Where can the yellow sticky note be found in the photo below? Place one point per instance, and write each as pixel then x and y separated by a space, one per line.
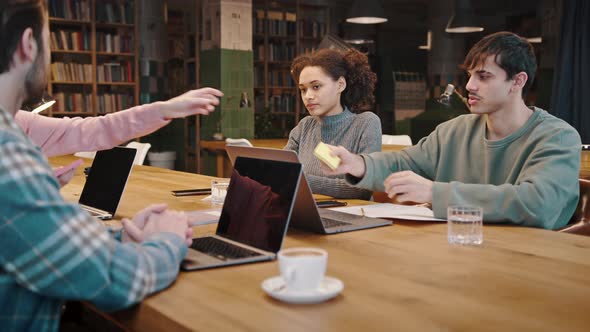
pixel 323 153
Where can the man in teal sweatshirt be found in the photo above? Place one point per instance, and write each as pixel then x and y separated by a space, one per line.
pixel 519 163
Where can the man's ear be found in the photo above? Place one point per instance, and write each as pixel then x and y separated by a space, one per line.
pixel 341 84
pixel 520 80
pixel 27 47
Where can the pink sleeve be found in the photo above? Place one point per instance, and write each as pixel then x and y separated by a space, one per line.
pixel 59 136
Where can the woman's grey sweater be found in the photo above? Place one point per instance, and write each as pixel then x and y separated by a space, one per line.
pixel 358 133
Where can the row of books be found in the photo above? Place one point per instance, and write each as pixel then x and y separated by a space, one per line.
pixel 114 102
pixel 312 28
pixel 70 9
pixel 71 72
pixel 276 52
pixel 115 72
pixel 281 52
pixel 282 103
pixel 306 50
pixel 115 11
pixel 72 102
pixel 107 42
pixel 277 23
pixel 70 40
pixel 275 78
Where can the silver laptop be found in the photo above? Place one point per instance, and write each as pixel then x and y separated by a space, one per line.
pixel 106 181
pixel 306 215
pixel 254 218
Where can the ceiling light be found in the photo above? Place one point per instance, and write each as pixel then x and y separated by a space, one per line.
pixel 366 12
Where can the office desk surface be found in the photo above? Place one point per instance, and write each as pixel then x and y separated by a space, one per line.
pixel 404 277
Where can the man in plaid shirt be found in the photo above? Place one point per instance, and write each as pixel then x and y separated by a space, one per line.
pixel 51 250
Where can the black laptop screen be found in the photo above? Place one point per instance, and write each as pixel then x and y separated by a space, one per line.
pixel 107 178
pixel 259 201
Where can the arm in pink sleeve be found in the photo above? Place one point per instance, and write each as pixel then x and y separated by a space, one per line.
pixel 59 136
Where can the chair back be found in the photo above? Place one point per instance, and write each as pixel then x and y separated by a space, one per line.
pixel 142 150
pixel 580 222
pixel 396 140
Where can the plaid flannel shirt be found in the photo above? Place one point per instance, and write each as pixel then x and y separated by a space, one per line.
pixel 52 251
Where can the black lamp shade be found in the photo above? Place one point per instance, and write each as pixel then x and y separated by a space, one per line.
pixel 464 19
pixel 366 12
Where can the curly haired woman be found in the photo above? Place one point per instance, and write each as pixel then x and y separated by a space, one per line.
pixel 333 84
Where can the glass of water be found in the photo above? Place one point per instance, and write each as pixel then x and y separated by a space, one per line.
pixel 218 191
pixel 465 225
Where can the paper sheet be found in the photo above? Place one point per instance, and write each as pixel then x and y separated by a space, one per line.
pixel 389 210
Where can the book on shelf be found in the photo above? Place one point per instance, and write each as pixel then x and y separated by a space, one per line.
pixel 281 24
pixel 259 21
pixel 311 28
pixel 280 78
pixel 115 12
pixel 67 40
pixel 281 51
pixel 284 103
pixel 259 52
pixel 70 9
pixel 114 102
pixel 72 102
pixel 113 42
pixel 114 72
pixel 71 72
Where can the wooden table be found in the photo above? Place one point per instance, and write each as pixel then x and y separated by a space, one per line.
pixel 399 278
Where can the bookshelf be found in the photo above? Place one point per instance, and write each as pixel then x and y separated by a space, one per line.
pixel 93 56
pixel 183 68
pixel 282 31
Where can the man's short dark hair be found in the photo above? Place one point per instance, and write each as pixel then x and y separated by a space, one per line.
pixel 511 52
pixel 15 17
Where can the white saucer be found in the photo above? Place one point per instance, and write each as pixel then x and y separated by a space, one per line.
pixel 329 287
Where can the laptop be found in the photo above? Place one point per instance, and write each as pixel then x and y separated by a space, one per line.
pixel 306 215
pixel 106 181
pixel 254 218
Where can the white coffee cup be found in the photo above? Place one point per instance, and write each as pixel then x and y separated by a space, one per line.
pixel 302 269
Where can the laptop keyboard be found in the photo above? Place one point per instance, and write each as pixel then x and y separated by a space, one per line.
pixel 328 223
pixel 221 249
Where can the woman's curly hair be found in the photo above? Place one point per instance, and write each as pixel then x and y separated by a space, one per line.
pixel 352 65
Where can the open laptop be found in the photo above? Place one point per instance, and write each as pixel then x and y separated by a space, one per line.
pixel 254 218
pixel 306 215
pixel 106 181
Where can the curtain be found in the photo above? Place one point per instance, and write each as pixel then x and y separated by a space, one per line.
pixel 571 80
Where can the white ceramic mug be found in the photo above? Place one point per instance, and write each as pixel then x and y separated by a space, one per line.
pixel 303 269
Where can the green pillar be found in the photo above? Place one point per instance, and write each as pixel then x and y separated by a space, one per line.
pixel 226 63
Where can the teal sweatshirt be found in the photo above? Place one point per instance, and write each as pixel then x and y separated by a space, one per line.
pixel 528 178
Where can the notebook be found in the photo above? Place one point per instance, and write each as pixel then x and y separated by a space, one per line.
pixel 254 218
pixel 306 215
pixel 106 181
